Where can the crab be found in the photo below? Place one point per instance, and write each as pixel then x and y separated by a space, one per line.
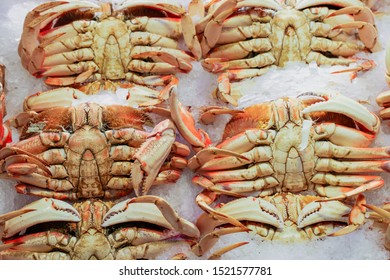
pixel 381 215
pixel 136 228
pixel 295 145
pixel 243 39
pixel 290 145
pixel 283 217
pixel 5 131
pixel 92 151
pixel 75 42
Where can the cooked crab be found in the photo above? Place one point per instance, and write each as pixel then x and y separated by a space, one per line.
pixel 5 131
pixel 312 142
pixel 92 151
pixel 282 217
pixel 137 228
pixel 72 42
pixel 242 39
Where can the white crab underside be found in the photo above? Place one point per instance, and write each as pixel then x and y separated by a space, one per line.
pixel 194 89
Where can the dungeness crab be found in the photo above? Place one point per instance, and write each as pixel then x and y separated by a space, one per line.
pixel 242 39
pixel 137 228
pixel 92 151
pixel 313 142
pixel 76 42
pixel 283 217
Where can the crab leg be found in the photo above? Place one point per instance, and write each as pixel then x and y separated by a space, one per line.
pixel 217 65
pixel 237 188
pixel 246 141
pixel 255 171
pixel 149 67
pixel 331 165
pixel 166 27
pixel 339 193
pixel 176 58
pixel 145 251
pixel 213 159
pixel 241 33
pixel 85 69
pixel 241 49
pixel 321 59
pixel 207 158
pixel 67 44
pixel 140 38
pixel 120 191
pixel 336 48
pixel 327 149
pixel 22 255
pixel 68 57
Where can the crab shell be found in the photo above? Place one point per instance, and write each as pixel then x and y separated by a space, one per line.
pixel 138 228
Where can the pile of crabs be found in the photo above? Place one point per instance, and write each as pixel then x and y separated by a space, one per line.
pixel 295 168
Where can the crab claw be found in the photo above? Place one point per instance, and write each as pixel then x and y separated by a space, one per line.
pixel 244 209
pixel 337 103
pixel 40 211
pixel 364 22
pixel 149 209
pixel 211 157
pixel 151 156
pixel 185 123
pixel 317 211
